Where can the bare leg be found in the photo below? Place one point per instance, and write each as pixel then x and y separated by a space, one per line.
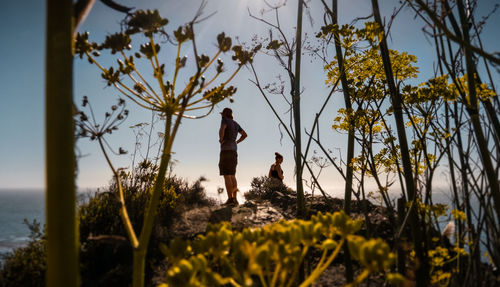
pixel 235 185
pixel 229 185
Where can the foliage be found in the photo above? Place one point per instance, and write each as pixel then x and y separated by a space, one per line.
pixel 105 257
pixel 444 257
pixel 100 221
pixel 195 195
pixel 26 266
pixel 101 212
pixel 433 112
pixel 263 186
pixel 440 261
pixel 133 84
pixel 443 120
pixel 272 255
pixel 369 94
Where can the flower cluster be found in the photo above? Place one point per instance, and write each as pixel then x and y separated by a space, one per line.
pixel 89 127
pixel 272 255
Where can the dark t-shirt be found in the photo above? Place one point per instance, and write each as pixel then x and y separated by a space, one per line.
pixel 274 173
pixel 230 134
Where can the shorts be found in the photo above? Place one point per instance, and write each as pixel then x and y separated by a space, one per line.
pixel 227 162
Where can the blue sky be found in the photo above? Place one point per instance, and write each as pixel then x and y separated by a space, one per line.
pixel 196 147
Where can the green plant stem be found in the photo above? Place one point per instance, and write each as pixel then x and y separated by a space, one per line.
pixel 490 110
pixel 153 93
pixel 60 201
pixel 301 207
pixel 138 267
pixel 139 256
pixel 203 72
pixel 123 209
pixel 207 96
pixel 323 258
pixel 455 38
pixel 210 82
pixel 204 85
pixel 350 137
pixel 157 67
pixel 132 98
pixel 177 68
pixel 262 279
pixel 396 100
pixel 233 75
pixel 299 265
pixel 472 109
pixel 321 268
pixel 440 52
pixel 211 61
pixel 199 108
pixel 361 277
pixel 277 271
pixel 124 86
pixel 234 283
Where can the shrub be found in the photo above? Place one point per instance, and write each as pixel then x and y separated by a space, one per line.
pixel 100 215
pixel 106 254
pixel 26 266
pixel 262 188
pixel 196 195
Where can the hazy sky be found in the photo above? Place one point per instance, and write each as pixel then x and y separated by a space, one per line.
pixel 196 147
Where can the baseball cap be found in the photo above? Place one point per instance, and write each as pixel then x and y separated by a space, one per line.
pixel 227 112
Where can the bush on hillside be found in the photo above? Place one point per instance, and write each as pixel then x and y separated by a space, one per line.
pixel 106 254
pixel 26 266
pixel 262 187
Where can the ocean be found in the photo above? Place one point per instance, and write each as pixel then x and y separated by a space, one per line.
pixel 15 206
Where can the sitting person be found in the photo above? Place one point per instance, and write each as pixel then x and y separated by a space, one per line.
pixel 275 171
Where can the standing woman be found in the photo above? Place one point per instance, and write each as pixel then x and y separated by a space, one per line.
pixel 275 171
pixel 228 133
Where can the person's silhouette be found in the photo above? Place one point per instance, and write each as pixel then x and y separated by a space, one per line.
pixel 275 171
pixel 228 160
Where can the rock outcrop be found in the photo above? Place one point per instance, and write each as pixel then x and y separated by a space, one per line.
pixel 272 207
pixel 251 214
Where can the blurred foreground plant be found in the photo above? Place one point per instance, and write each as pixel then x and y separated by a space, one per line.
pixel 162 96
pixel 272 255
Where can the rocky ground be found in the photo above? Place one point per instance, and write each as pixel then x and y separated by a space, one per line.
pixel 272 208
